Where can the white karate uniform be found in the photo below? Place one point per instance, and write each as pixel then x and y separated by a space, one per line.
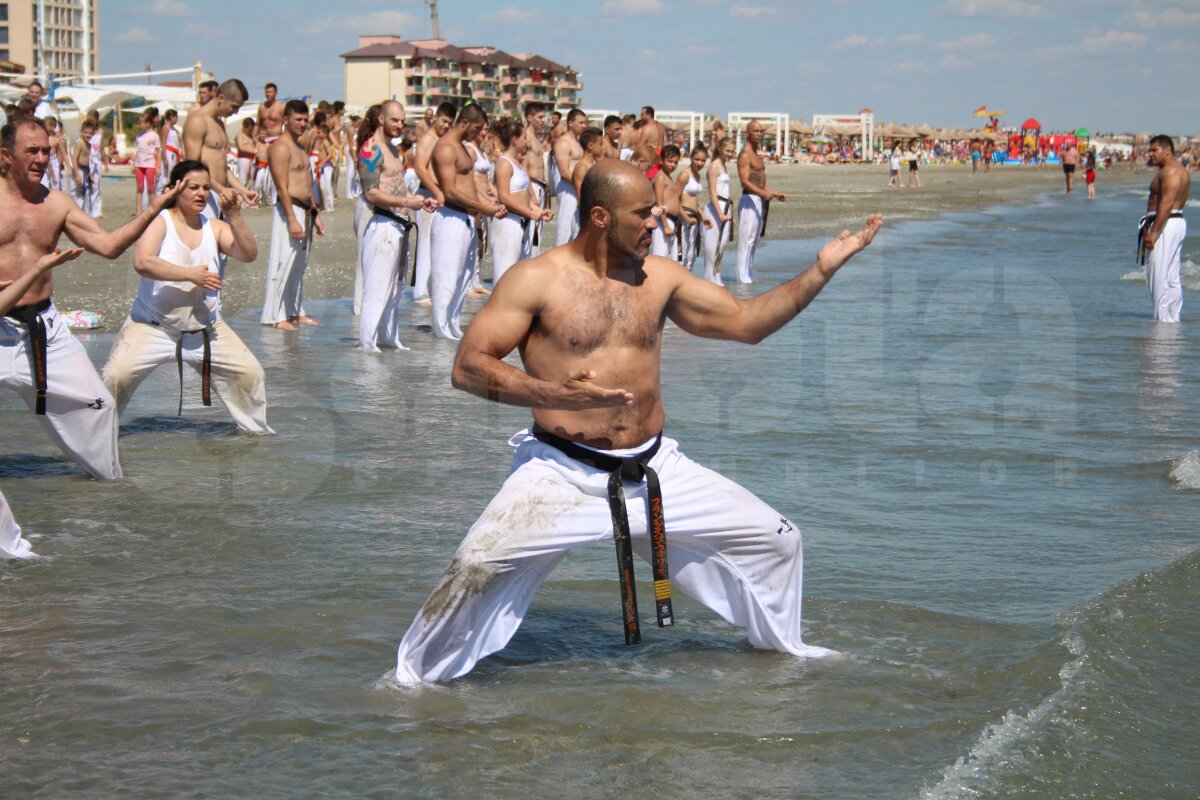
pixel 12 545
pixel 244 165
pixel 511 238
pixel 660 243
pixel 362 215
pixel 454 254
pixel 725 547
pixel 353 184
pixel 382 250
pixel 264 184
pixel 568 213
pixel 1162 271
pixel 95 201
pixel 749 223
pixel 165 312
pixel 424 260
pixel 286 264
pixel 535 232
pixel 715 239
pixel 691 241
pixel 325 177
pixel 81 416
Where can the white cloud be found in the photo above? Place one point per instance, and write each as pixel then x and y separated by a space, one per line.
pixel 908 66
pixel 631 7
pixel 134 36
pixel 747 11
pixel 510 15
pixel 378 22
pixel 167 8
pixel 952 61
pixel 1110 42
pixel 853 40
pixel 906 39
pixel 994 8
pixel 976 41
pixel 1167 18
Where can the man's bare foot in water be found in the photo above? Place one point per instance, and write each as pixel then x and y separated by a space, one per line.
pixel 306 320
pixel 426 303
pixel 479 293
pixel 284 325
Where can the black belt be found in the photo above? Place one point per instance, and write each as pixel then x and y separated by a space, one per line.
pixel 404 222
pixel 205 367
pixel 1143 224
pixel 721 233
pixel 634 470
pixel 766 212
pixel 460 209
pixel 310 214
pixel 31 315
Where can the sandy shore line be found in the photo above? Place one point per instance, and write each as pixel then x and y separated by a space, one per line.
pixel 822 200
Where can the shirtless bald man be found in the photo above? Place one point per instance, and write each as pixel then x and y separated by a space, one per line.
pixel 595 391
pixel 383 246
pixel 205 140
pixel 64 391
pixel 1162 230
pixel 441 121
pixel 755 203
pixel 568 153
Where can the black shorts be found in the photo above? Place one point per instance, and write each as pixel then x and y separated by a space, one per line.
pixel 1069 168
pixel 912 166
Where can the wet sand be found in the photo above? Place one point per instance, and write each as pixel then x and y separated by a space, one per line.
pixel 822 200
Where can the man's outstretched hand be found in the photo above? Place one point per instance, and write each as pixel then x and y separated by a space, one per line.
pixel 836 253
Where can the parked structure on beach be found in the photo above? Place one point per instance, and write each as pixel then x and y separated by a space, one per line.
pixel 425 72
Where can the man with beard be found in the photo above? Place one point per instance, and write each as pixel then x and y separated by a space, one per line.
pixel 588 321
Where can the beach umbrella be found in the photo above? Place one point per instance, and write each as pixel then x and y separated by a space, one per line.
pixel 1031 124
pixel 906 133
pixel 925 131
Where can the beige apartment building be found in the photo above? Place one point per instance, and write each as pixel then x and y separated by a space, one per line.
pixel 424 72
pixel 68 41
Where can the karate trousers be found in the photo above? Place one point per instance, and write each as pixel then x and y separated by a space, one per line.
pixel 568 213
pixel 286 263
pixel 383 249
pixel 725 548
pixel 749 223
pixel 454 254
pixel 715 239
pixel 12 545
pixel 81 416
pixel 511 242
pixel 1162 271
pixel 237 377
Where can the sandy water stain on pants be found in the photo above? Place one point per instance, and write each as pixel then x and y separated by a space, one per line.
pixel 522 511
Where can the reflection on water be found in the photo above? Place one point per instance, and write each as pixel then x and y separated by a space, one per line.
pixel 1160 380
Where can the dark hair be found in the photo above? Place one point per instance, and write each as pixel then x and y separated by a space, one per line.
pixel 588 136
pixel 368 126
pixel 209 85
pixel 601 187
pixel 648 111
pixel 700 148
pixel 317 118
pixel 8 134
pixel 295 107
pixel 182 169
pixel 338 106
pixel 507 130
pixel 36 83
pixel 170 113
pixel 575 114
pixel 232 85
pixel 248 122
pixel 270 86
pixel 1162 140
pixel 470 114
pixel 669 150
pixel 534 108
pixel 447 109
pixel 612 119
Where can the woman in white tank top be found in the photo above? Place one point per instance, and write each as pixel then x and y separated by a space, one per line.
pixel 483 169
pixel 692 217
pixel 512 234
pixel 719 210
pixel 177 313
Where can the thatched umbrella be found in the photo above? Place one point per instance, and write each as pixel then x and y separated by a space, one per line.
pixel 925 131
pixel 801 127
pixel 906 133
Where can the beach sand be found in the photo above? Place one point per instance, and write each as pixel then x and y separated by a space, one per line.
pixel 821 201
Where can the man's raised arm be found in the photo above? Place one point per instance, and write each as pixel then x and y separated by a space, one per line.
pixel 704 309
pixel 87 233
pixel 497 329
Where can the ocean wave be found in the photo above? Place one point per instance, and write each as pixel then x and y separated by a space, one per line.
pixel 1131 651
pixel 1186 471
pixel 1192 204
pixel 1135 275
pixel 1189 275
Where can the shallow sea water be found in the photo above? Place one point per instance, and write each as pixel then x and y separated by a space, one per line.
pixel 991 448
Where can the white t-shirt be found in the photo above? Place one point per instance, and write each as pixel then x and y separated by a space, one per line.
pixel 895 161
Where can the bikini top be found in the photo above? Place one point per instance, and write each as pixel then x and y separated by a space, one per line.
pixel 482 165
pixel 520 178
pixel 693 187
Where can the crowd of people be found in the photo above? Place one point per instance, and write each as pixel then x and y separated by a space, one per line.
pixel 586 314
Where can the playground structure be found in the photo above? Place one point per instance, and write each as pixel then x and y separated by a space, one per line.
pixel 738 120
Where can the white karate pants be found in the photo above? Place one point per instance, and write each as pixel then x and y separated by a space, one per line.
pixel 362 215
pixel 691 243
pixel 326 183
pixel 12 545
pixel 725 548
pixel 237 377
pixel 453 240
pixel 568 214
pixel 511 242
pixel 660 243
pixel 286 264
pixel 424 259
pixel 715 239
pixel 81 416
pixel 244 165
pixel 382 251
pixel 749 222
pixel 1162 271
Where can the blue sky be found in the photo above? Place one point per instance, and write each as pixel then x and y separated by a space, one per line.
pixel 1103 64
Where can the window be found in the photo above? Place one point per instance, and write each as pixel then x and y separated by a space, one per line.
pixel 4 54
pixel 4 13
pixel 4 35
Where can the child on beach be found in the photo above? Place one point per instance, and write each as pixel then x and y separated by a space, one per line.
pixel 1090 174
pixel 145 159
